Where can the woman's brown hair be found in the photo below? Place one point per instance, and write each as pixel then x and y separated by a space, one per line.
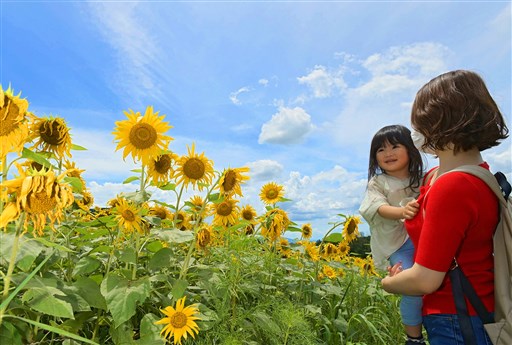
pixel 455 108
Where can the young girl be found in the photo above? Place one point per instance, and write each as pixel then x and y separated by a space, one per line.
pixel 394 177
pixel 458 214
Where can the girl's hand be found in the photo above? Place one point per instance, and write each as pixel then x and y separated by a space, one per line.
pixel 410 209
pixel 395 269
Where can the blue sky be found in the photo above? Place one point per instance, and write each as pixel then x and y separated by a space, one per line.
pixel 294 90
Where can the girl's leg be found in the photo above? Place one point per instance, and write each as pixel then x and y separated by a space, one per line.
pixel 444 329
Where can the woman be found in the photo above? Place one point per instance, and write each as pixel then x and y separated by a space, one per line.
pixel 458 214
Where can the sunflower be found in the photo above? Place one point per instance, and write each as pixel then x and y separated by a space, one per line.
pixel 180 321
pixel 204 237
pixel 52 135
pixel 160 212
pixel 329 272
pixel 160 168
pixel 271 193
pixel 128 216
pixel 343 249
pixel 181 221
pixel 311 249
pixel 196 203
pixel 225 213
pixel 194 169
pixel 284 248
pixel 39 194
pixel 142 136
pixel 231 180
pixel 366 266
pixel 350 229
pixel 13 115
pixel 307 231
pixel 274 223
pixel 73 171
pixel 86 201
pixel 329 251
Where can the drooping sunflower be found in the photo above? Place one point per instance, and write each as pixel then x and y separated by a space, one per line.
pixel 51 135
pixel 284 248
pixel 271 193
pixel 311 249
pixel 160 168
pixel 15 127
pixel 329 251
pixel 231 180
pixel 204 237
pixel 351 229
pixel 128 216
pixel 181 220
pixel 194 169
pixel 160 211
pixel 40 194
pixel 85 200
pixel 73 171
pixel 179 322
pixel 343 249
pixel 307 231
pixel 142 136
pixel 275 222
pixel 225 213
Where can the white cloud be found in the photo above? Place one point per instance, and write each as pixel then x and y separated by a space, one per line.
pixel 234 95
pixel 264 170
pixel 287 126
pixel 322 82
pixel 263 82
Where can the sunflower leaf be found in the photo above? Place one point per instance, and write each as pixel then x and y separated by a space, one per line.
pixel 293 229
pixel 131 179
pixel 75 182
pixel 179 288
pixel 36 157
pixel 78 147
pixel 335 238
pixel 167 186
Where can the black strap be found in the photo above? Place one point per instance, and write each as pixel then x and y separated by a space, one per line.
pixel 462 287
pixel 504 184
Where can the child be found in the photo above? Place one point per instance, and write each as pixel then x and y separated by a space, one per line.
pixel 394 177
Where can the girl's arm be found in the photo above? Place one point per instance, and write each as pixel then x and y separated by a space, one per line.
pixel 417 280
pixel 394 212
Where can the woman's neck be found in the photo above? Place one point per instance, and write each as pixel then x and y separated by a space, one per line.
pixel 448 160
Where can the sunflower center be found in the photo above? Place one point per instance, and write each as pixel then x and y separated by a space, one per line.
pixel 128 215
pixel 272 194
pixel 10 121
pixel 50 132
pixel 224 209
pixel 143 135
pixel 163 164
pixel 229 181
pixel 178 319
pixel 194 168
pixel 247 215
pixel 40 203
pixel 351 228
pixel 160 213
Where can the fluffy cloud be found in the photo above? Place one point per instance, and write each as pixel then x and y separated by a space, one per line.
pixel 287 126
pixel 265 170
pixel 322 82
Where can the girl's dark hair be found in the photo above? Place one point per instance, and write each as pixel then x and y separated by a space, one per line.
pixel 396 134
pixel 456 108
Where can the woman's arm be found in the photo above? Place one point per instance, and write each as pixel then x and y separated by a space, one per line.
pixel 417 280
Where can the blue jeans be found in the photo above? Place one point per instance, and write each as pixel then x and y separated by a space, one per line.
pixel 410 306
pixel 444 329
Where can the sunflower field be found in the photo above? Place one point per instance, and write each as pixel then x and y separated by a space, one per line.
pixel 202 270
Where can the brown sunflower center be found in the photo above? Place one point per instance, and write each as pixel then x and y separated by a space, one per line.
pixel 143 135
pixel 272 194
pixel 351 227
pixel 52 132
pixel 224 209
pixel 178 320
pixel 194 168
pixel 128 215
pixel 10 121
pixel 160 213
pixel 163 164
pixel 229 181
pixel 247 215
pixel 40 203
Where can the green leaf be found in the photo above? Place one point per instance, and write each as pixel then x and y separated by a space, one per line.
pixel 154 246
pixel 335 238
pixel 122 335
pixel 128 255
pixel 131 179
pixel 9 334
pixel 74 182
pixel 168 186
pixel 28 251
pixel 90 291
pixel 43 300
pixel 86 265
pixel 78 147
pixel 57 246
pixel 123 296
pixel 162 258
pixel 176 236
pixel 36 157
pixel 149 332
pixel 293 229
pixel 179 288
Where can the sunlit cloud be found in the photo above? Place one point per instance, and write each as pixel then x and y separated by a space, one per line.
pixel 323 83
pixel 287 126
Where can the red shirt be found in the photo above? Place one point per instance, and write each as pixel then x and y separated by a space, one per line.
pixel 457 218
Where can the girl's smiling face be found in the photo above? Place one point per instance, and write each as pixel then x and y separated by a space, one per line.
pixel 393 159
